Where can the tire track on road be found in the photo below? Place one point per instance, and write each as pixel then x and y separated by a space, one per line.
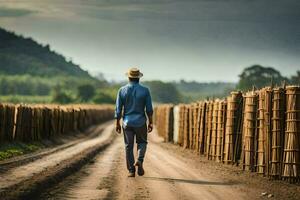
pixel 93 181
pixel 90 133
pixel 29 180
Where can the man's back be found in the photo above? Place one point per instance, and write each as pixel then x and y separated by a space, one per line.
pixel 134 98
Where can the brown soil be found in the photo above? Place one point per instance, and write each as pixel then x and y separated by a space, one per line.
pixel 171 173
pixel 26 180
pixel 253 184
pixel 53 145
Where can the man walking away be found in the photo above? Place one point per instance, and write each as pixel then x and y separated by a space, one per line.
pixel 134 99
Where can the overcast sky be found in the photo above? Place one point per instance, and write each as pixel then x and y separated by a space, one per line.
pixel 203 40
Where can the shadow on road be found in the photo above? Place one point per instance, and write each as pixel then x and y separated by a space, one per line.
pixel 200 182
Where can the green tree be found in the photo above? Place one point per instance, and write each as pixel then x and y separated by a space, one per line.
pixel 102 97
pixel 259 77
pixel 163 92
pixel 295 79
pixel 85 92
pixel 59 96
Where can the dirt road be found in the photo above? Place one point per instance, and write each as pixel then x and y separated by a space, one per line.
pixel 167 177
pixel 74 172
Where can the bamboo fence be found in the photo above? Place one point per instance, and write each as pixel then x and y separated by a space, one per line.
pixel 35 122
pixel 258 130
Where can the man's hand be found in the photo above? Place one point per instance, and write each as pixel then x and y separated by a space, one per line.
pixel 150 127
pixel 118 127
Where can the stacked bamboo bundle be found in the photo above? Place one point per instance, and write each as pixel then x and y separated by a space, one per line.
pixel 191 126
pixel 160 120
pixel 7 115
pixel 164 121
pixel 221 122
pixel 278 125
pixel 195 127
pixel 260 137
pixel 202 117
pixel 233 137
pixel 170 112
pixel 186 127
pixel 258 130
pixel 268 127
pixel 197 116
pixel 213 141
pixel 291 157
pixel 206 128
pixel 249 128
pixel 181 123
pixel 176 128
pixel 35 122
pixel 210 105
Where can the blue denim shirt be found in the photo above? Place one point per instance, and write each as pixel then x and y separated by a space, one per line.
pixel 134 99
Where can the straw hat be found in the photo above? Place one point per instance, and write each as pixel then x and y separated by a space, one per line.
pixel 134 73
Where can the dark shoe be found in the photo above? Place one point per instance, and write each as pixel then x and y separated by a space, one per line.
pixel 140 170
pixel 131 174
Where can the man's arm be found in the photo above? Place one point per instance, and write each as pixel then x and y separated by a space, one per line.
pixel 149 111
pixel 118 112
pixel 150 124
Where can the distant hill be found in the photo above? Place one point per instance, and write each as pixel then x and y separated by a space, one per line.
pixel 19 56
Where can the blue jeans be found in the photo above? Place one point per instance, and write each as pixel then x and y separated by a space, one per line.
pixel 141 139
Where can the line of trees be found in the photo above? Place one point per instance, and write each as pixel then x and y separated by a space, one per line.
pixel 65 89
pixel 259 77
